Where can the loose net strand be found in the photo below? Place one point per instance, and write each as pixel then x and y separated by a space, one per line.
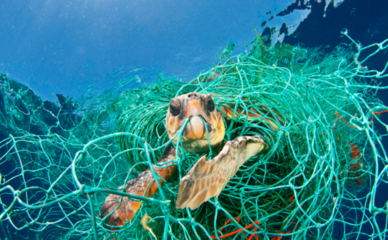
pixel 323 171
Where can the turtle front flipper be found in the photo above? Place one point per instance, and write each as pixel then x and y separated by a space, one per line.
pixel 143 185
pixel 206 179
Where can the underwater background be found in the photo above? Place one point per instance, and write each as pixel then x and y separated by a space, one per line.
pixel 64 61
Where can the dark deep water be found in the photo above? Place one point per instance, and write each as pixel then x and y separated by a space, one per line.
pixel 366 22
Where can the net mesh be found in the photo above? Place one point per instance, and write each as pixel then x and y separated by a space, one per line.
pixel 323 171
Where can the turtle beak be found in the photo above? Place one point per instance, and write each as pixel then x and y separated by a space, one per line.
pixel 195 129
pixel 195 111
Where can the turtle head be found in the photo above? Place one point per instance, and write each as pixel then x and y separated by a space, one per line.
pixel 200 109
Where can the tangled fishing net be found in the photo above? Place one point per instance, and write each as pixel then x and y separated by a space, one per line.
pixel 322 172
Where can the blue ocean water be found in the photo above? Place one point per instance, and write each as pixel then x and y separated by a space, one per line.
pixel 66 47
pixel 62 47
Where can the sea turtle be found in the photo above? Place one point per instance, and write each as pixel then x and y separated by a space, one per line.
pixel 206 179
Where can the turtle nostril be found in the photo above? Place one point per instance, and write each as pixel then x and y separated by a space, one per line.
pixel 192 95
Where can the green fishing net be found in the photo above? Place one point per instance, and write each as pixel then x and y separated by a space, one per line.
pixel 322 173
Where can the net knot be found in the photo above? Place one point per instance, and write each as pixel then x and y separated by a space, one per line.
pixel 17 194
pixel 82 188
pixel 166 207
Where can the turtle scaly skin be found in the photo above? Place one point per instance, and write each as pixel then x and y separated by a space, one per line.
pixel 137 186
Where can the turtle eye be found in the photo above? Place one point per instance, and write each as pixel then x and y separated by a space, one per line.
pixel 210 105
pixel 175 107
